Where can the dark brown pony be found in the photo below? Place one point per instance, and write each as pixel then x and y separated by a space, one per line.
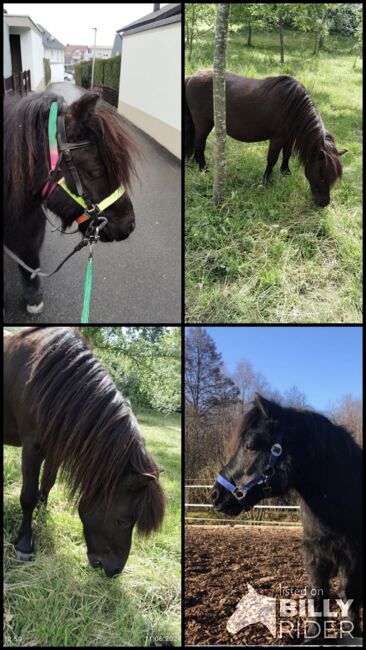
pixel 103 165
pixel 278 109
pixel 323 463
pixel 63 408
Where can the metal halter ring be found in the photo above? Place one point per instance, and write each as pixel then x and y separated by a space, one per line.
pixel 238 493
pixel 276 449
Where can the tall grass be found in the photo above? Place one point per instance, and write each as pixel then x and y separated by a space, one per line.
pixel 268 254
pixel 58 600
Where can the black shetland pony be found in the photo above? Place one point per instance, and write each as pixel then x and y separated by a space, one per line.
pixel 62 408
pixel 277 109
pixel 278 448
pixel 102 166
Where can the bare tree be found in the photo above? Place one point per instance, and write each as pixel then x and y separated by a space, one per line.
pixel 248 381
pixel 348 412
pixel 219 99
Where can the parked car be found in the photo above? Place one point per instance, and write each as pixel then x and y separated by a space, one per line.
pixel 68 76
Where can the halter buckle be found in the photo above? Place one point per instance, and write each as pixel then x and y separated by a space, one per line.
pixel 238 493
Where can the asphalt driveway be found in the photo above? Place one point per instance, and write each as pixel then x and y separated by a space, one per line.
pixel 135 281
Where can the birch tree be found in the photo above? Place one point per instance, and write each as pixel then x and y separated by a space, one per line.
pixel 219 99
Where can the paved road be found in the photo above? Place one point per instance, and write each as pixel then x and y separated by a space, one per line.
pixel 135 281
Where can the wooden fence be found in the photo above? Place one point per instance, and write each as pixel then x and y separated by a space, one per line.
pixel 18 83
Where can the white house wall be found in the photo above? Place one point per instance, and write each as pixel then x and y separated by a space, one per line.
pixel 56 58
pixel 32 57
pixel 57 72
pixel 7 54
pixel 150 83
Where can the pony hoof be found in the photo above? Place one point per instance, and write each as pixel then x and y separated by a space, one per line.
pixel 24 557
pixel 285 172
pixel 35 309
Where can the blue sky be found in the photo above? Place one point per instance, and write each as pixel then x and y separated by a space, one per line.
pixel 325 363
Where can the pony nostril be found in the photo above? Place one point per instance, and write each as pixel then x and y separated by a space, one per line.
pixel 214 495
pixel 117 571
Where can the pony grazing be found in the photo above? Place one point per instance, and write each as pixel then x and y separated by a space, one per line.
pixel 277 109
pixel 279 448
pixel 62 408
pixel 76 161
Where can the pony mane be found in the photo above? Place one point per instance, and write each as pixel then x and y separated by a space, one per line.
pixel 322 437
pixel 26 147
pixel 86 427
pixel 306 128
pixel 25 144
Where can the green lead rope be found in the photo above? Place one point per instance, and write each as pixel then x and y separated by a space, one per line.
pixel 87 290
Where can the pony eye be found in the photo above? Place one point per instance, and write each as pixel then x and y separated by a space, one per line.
pixel 249 446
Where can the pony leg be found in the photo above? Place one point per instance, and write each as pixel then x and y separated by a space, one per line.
pixel 319 571
pixel 32 289
pixel 47 481
pixel 31 464
pixel 203 129
pixel 287 151
pixel 275 147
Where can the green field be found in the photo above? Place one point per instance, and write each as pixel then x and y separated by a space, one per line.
pixel 268 254
pixel 59 600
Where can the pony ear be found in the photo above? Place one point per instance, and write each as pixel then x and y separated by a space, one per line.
pixel 341 152
pixel 135 482
pixel 262 403
pixel 83 108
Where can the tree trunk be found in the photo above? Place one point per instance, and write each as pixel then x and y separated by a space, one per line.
pixel 249 43
pixel 281 40
pixel 219 97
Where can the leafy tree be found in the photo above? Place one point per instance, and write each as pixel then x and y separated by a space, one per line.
pixel 196 16
pixel 144 362
pixel 346 18
pixel 249 15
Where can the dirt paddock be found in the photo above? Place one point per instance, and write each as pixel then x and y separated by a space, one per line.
pixel 220 562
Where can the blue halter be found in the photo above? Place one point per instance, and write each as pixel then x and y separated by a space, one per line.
pixel 241 492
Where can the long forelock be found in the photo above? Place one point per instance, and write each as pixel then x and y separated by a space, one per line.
pixel 333 164
pixel 118 150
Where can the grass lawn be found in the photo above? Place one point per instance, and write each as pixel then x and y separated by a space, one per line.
pixel 59 600
pixel 268 254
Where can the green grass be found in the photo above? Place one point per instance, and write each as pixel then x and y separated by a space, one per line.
pixel 59 600
pixel 268 254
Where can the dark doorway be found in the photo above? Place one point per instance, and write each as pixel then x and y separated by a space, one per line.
pixel 16 56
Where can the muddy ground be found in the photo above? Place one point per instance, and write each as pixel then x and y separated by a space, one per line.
pixel 219 564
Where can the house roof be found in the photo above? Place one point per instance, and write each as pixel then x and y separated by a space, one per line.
pixel 171 13
pixel 117 45
pixel 70 48
pixel 22 22
pixel 50 41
